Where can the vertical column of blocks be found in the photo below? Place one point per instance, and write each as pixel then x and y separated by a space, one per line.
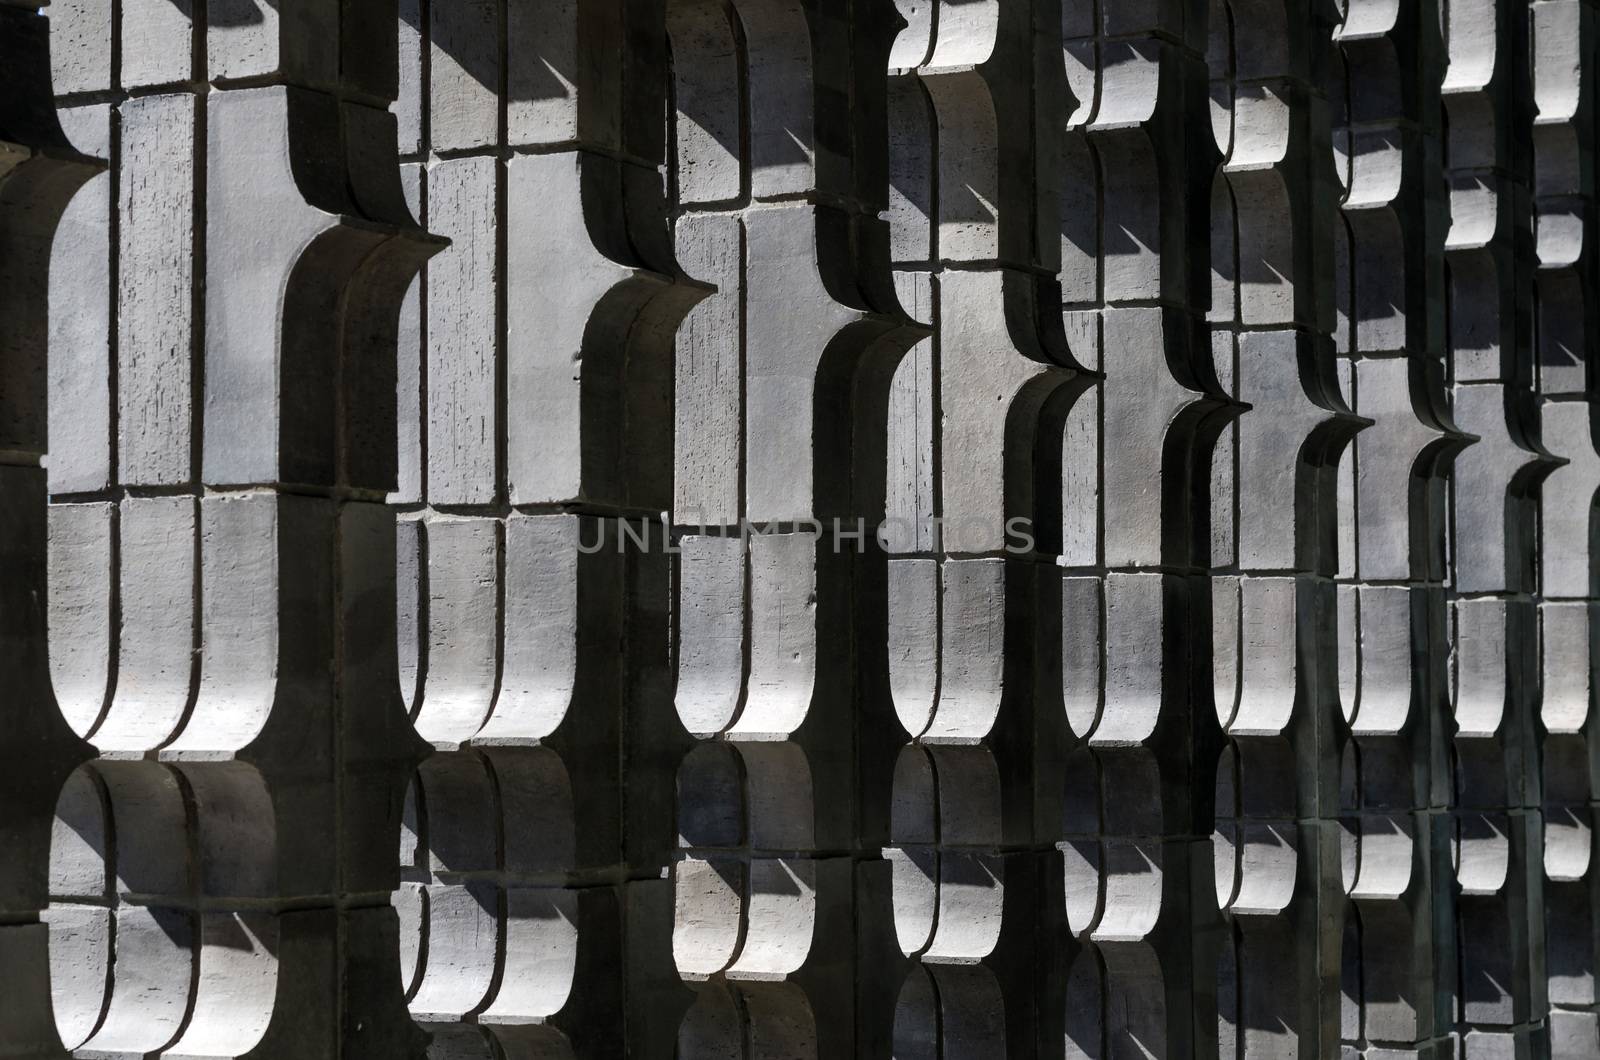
pixel 783 383
pixel 1396 780
pixel 1564 69
pixel 975 422
pixel 1135 605
pixel 41 170
pixel 1488 98
pixel 1273 519
pixel 221 563
pixel 536 375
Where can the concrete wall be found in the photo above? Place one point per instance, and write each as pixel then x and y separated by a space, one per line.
pixel 779 529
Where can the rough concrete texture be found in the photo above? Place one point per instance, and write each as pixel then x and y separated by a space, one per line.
pixel 441 443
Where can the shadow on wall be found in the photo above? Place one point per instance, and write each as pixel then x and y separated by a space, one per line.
pixel 229 12
pixel 469 32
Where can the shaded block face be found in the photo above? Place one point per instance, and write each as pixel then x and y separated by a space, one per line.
pixel 760 530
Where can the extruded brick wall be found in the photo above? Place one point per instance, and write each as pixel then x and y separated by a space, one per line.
pixel 799 529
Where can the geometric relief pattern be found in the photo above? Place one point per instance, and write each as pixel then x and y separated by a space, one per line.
pixel 918 529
